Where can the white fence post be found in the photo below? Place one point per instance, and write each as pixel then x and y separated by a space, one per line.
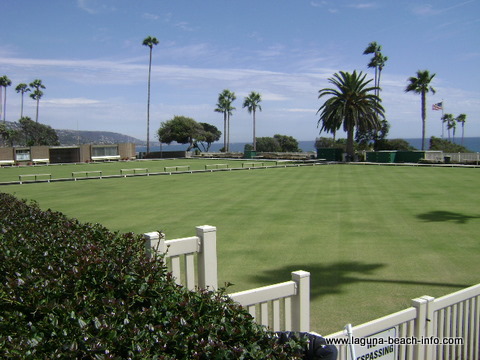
pixel 420 326
pixel 301 302
pixel 207 257
pixel 430 325
pixel 154 243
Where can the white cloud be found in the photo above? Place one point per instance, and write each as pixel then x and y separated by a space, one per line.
pixel 94 6
pixel 150 16
pixel 71 102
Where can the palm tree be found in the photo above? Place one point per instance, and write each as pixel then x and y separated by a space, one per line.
pixel 252 103
pixel 448 119
pixel 353 104
pixel 149 41
pixel 4 82
pixel 452 125
pixel 421 85
pixel 37 93
pixel 224 105
pixel 22 88
pixel 461 119
pixel 377 62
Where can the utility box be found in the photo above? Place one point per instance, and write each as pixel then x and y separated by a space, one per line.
pixel 249 154
pixel 330 154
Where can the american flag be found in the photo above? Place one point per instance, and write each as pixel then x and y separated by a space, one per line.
pixel 437 106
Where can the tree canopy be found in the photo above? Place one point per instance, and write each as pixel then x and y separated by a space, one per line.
pixel 209 135
pixel 420 84
pixel 185 130
pixel 277 143
pixel 352 103
pixel 37 134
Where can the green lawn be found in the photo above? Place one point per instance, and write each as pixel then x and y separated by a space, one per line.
pixel 373 237
pixel 64 171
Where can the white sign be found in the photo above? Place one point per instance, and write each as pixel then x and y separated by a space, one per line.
pixel 380 346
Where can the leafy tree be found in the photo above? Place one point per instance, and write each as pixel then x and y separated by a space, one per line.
pixel 209 136
pixel 22 88
pixel 37 134
pixel 461 119
pixel 323 142
pixel 224 105
pixel 37 94
pixel 421 85
pixel 268 144
pixel 365 138
pixel 149 41
pixel 277 143
pixel 181 129
pixel 352 104
pixel 252 103
pixel 4 82
pixel 446 146
pixel 287 143
pixel 395 144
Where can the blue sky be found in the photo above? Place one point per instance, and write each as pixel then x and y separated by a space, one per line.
pixel 90 57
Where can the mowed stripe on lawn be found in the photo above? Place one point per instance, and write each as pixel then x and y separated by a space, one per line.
pixel 372 237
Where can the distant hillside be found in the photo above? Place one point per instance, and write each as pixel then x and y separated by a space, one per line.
pixel 73 137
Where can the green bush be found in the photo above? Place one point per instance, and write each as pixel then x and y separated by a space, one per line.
pixel 78 291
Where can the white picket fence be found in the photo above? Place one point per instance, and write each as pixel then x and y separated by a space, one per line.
pixel 456 315
pixel 284 306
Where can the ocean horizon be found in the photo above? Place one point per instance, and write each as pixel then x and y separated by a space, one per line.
pixel 471 143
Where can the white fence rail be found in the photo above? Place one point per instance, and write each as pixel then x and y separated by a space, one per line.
pixel 284 306
pixel 178 251
pixel 463 157
pixel 456 315
pixel 193 263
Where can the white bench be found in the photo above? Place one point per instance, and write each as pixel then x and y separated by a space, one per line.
pixel 7 162
pixel 177 168
pixel 86 174
pixel 211 167
pixel 41 161
pixel 34 176
pixel 124 172
pixel 106 158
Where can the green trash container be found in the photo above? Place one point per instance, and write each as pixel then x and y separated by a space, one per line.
pixel 249 154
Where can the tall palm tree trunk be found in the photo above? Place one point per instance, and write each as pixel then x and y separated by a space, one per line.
pixel 148 102
pixel 36 116
pixel 224 132
pixel 228 133
pixel 424 118
pixel 5 105
pixel 1 102
pixel 21 108
pixel 254 136
pixel 350 146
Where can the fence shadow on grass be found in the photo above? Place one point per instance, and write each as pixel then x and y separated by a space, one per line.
pixel 441 216
pixel 332 278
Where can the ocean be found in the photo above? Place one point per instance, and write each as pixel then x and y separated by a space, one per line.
pixel 471 143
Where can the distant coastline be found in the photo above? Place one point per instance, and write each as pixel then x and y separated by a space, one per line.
pixel 471 143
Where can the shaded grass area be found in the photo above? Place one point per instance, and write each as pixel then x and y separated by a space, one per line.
pixel 372 237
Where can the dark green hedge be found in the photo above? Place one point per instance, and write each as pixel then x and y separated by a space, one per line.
pixel 78 291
